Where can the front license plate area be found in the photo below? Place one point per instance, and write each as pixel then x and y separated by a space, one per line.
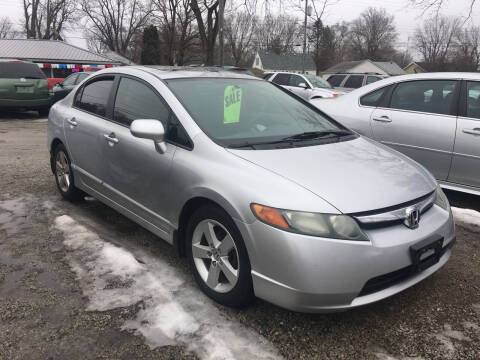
pixel 426 253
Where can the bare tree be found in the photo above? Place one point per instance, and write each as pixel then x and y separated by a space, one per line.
pixel 176 31
pixel 373 35
pixel 45 19
pixel 208 15
pixel 467 49
pixel 240 31
pixel 114 23
pixel 188 32
pixel 437 5
pixel 278 34
pixel 435 39
pixel 7 30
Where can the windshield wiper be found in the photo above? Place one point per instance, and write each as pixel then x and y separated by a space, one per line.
pixel 312 135
pixel 254 144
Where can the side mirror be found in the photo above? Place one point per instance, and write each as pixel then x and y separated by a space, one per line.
pixel 150 129
pixel 303 85
pixel 58 85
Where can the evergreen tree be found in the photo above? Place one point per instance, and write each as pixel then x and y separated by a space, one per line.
pixel 151 46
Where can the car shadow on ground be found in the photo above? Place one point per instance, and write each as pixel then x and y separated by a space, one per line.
pixel 463 200
pixel 17 114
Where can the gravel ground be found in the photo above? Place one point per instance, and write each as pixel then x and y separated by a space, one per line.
pixel 57 302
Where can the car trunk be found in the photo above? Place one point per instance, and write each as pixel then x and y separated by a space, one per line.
pixel 22 81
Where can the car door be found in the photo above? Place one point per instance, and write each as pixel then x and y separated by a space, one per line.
pixel 84 128
pixel 62 90
pixel 294 86
pixel 137 175
pixel 282 79
pixel 466 154
pixel 420 122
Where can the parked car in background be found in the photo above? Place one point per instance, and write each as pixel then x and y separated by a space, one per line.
pixel 262 192
pixel 348 82
pixel 23 86
pixel 62 89
pixel 433 118
pixel 53 81
pixel 306 86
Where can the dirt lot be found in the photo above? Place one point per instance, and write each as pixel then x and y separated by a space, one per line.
pixel 80 281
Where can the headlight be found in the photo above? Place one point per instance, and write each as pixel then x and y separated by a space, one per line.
pixel 441 199
pixel 324 225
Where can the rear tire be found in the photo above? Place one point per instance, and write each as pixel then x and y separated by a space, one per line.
pixel 43 112
pixel 219 262
pixel 64 175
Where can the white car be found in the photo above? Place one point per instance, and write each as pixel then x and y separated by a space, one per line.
pixel 433 118
pixel 308 87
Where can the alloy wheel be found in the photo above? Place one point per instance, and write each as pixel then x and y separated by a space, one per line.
pixel 215 256
pixel 62 171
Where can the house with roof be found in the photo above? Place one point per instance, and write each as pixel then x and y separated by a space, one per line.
pixel 56 58
pixel 366 66
pixel 415 68
pixel 268 61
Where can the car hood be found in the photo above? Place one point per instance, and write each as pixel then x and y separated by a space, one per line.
pixel 354 176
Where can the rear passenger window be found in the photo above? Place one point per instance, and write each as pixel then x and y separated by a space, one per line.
pixel 136 100
pixel 430 96
pixel 336 80
pixel 354 82
pixel 373 98
pixel 281 79
pixel 473 99
pixel 94 96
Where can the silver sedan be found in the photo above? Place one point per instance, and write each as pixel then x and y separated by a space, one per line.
pixel 264 194
pixel 433 118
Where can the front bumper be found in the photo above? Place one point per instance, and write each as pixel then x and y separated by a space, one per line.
pixel 311 274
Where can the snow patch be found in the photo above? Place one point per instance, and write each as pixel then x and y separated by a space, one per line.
pixel 13 213
pixel 381 355
pixel 446 336
pixel 467 217
pixel 173 311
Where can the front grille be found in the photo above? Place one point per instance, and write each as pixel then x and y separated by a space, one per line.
pixel 383 282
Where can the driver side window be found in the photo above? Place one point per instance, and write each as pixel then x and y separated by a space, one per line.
pixel 296 80
pixel 136 100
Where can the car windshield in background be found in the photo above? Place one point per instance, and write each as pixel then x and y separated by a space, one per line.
pixel 17 70
pixel 251 112
pixel 318 82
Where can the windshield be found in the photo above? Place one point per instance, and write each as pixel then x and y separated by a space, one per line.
pixel 17 70
pixel 234 110
pixel 318 82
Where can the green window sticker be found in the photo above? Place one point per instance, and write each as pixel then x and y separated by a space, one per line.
pixel 232 103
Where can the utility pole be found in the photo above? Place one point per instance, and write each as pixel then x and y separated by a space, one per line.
pixel 304 37
pixel 308 12
pixel 221 12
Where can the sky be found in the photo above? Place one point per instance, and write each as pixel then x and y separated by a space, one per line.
pixel 407 18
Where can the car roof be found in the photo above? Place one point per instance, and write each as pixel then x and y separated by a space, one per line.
pixel 166 73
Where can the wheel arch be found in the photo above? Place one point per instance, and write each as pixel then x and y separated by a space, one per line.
pixel 189 207
pixel 55 142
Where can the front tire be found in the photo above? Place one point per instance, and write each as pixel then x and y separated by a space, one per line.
pixel 218 257
pixel 64 176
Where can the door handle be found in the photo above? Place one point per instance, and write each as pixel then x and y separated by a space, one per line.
pixel 383 118
pixel 111 138
pixel 475 131
pixel 72 121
